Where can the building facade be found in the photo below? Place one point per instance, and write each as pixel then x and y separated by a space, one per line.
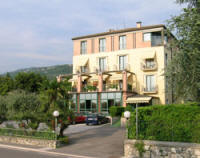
pixel 119 67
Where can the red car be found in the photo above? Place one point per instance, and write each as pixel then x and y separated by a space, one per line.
pixel 78 119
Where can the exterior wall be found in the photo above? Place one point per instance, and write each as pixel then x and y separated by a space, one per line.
pixel 139 41
pixel 158 149
pixel 135 57
pixel 29 141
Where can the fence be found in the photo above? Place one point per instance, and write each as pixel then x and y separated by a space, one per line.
pixel 48 135
pixel 166 130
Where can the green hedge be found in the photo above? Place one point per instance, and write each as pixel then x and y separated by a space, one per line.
pixel 116 111
pixel 28 133
pixel 180 123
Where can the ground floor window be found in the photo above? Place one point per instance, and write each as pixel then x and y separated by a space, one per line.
pixel 88 102
pixel 110 99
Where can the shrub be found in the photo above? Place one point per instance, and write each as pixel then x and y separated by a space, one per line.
pixel 113 111
pixel 64 140
pixel 129 108
pixel 116 111
pixel 167 123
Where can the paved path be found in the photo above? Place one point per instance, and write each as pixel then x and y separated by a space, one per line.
pixel 103 142
pixel 78 128
pixel 99 142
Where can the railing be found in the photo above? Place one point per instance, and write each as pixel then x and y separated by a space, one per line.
pixel 89 88
pixel 118 68
pixel 146 67
pixel 28 133
pixel 112 87
pixel 150 89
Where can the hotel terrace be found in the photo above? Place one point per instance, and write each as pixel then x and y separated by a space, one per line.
pixel 120 67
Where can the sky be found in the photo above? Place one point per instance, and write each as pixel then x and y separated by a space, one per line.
pixel 36 33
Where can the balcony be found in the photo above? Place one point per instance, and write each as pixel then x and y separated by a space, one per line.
pixel 112 87
pixel 89 88
pixel 121 68
pixel 151 67
pixel 150 90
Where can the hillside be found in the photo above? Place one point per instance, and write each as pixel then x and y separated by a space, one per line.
pixel 50 71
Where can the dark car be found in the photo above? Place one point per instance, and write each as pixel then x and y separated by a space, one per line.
pixel 96 119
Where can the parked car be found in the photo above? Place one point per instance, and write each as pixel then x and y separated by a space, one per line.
pixel 79 118
pixel 96 119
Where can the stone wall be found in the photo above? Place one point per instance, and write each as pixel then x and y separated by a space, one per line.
pixel 161 149
pixel 30 141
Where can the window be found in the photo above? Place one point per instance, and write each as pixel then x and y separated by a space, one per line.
pixel 150 83
pixel 110 99
pixel 146 37
pixel 83 69
pixel 102 64
pixel 150 63
pixel 122 62
pixel 122 42
pixel 102 45
pixel 112 43
pixel 83 47
pixel 166 59
pixel 156 39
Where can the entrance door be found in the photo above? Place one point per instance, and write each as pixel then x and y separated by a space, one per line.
pixel 88 105
pixel 110 103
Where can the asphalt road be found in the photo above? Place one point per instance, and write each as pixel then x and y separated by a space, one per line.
pixel 102 142
pixel 10 153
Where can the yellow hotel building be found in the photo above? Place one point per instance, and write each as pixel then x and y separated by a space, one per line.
pixel 120 67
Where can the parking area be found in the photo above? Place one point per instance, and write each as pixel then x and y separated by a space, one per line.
pixel 102 141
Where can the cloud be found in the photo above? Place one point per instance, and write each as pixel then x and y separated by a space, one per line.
pixel 39 32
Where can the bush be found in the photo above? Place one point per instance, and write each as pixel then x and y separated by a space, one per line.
pixel 129 108
pixel 64 140
pixel 113 111
pixel 167 123
pixel 116 111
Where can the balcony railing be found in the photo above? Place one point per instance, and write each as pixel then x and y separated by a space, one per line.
pixel 89 88
pixel 150 89
pixel 118 68
pixel 111 87
pixel 146 67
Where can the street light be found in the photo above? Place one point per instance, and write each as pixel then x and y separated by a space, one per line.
pixel 56 114
pixel 127 115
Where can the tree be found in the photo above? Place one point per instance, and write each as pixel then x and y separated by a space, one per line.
pixel 29 82
pixel 55 96
pixel 23 106
pixel 183 72
pixel 6 84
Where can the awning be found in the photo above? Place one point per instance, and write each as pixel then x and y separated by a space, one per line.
pixel 94 78
pixel 74 79
pixel 82 61
pixel 149 55
pixel 116 77
pixel 138 99
pixel 105 77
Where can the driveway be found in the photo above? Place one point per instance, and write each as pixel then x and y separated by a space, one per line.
pixel 100 141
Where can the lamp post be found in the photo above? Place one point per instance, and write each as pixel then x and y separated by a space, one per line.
pixel 56 114
pixel 127 115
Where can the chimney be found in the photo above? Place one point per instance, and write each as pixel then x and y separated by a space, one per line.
pixel 138 24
